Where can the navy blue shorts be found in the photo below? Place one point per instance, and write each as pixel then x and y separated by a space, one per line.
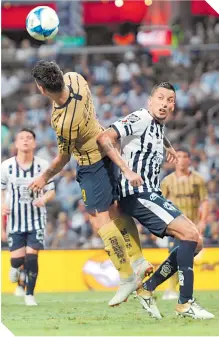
pixel 34 239
pixel 98 184
pixel 151 210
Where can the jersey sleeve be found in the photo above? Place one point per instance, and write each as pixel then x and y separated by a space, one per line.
pixel 164 188
pixel 4 177
pixel 203 192
pixel 133 124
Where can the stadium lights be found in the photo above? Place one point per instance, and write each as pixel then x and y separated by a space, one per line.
pixel 148 2
pixel 119 3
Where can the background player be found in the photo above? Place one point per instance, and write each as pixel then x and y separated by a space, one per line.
pixel 187 190
pixel 25 210
pixel 141 135
pixel 74 121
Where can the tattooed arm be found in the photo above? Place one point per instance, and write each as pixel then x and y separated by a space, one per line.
pixel 56 166
pixel 109 143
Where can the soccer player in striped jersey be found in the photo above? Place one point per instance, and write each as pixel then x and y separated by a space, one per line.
pixel 186 188
pixel 25 210
pixel 74 121
pixel 142 140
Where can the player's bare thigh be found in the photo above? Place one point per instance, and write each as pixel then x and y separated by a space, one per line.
pixel 99 219
pixel 21 252
pixel 184 229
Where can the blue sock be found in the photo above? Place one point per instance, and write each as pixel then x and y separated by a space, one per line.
pixel 165 271
pixel 185 260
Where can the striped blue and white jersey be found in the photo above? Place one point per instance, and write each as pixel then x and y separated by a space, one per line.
pixel 142 149
pixel 24 216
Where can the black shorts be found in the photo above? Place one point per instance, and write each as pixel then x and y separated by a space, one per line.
pixel 34 239
pixel 98 184
pixel 152 210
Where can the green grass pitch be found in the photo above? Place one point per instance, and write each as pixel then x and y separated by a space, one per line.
pixel 87 314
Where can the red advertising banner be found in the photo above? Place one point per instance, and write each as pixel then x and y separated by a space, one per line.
pixel 14 16
pixel 201 7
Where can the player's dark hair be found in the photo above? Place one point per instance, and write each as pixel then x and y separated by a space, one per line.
pixel 28 130
pixel 183 149
pixel 49 76
pixel 165 85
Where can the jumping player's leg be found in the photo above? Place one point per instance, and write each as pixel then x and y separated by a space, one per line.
pixel 98 183
pixel 129 231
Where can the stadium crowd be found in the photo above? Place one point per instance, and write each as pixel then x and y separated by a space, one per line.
pixel 120 84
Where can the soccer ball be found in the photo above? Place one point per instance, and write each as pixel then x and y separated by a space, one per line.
pixel 42 23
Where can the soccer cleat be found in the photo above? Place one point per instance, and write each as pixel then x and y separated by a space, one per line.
pixel 19 291
pixel 193 310
pixel 148 302
pixel 144 269
pixel 170 295
pixel 30 300
pixel 126 287
pixel 14 274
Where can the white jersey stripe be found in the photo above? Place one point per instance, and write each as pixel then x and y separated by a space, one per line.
pixel 157 210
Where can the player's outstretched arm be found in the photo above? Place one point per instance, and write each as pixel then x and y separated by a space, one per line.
pixel 56 166
pixel 171 153
pixel 108 141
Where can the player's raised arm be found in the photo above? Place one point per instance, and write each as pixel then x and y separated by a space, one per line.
pixel 108 141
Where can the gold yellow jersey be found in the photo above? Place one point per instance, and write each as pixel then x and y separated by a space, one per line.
pixel 186 192
pixel 75 122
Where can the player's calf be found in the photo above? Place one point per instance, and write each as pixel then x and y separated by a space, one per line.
pixel 32 272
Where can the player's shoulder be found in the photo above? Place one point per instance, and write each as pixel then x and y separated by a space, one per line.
pixel 8 162
pixel 141 114
pixel 168 178
pixel 198 177
pixel 72 76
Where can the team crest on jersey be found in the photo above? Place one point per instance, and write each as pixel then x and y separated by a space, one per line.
pixel 131 119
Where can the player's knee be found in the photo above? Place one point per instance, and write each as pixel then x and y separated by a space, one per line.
pixel 32 262
pixel 17 262
pixel 190 232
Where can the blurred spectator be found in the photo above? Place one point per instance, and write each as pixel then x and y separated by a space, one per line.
pixel 64 236
pixel 80 222
pixel 137 98
pixel 68 189
pixel 127 69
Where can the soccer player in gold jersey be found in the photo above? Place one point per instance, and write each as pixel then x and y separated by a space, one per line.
pixel 74 121
pixel 186 188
